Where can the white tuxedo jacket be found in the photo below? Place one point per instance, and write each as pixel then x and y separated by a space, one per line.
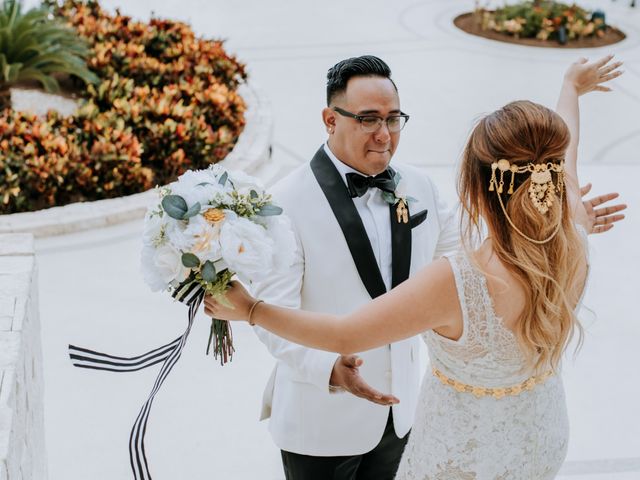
pixel 336 272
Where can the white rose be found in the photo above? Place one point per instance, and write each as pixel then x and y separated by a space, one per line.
pixel 246 248
pixel 174 232
pixel 162 266
pixel 150 272
pixel 203 238
pixel 211 193
pixel 152 232
pixel 281 232
pixel 197 186
pixel 216 169
pixel 168 261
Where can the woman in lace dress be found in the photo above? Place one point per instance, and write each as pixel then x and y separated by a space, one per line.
pixel 496 318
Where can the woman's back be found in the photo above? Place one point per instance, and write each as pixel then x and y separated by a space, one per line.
pixel 486 353
pixel 507 293
pixel 483 408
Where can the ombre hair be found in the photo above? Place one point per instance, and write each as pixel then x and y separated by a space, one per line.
pixel 551 274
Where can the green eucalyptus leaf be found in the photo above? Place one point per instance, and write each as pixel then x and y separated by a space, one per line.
pixel 202 184
pixel 208 272
pixel 389 197
pixel 194 210
pixel 411 199
pixel 189 260
pixel 253 194
pixel 269 210
pixel 175 206
pixel 223 178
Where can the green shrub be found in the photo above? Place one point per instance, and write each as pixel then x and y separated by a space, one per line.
pixel 165 102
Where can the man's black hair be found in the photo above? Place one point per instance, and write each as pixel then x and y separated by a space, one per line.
pixel 364 66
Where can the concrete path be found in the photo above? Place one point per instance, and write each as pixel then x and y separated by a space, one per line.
pixel 204 423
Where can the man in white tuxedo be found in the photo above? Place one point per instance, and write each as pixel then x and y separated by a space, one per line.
pixel 362 227
pixel 358 236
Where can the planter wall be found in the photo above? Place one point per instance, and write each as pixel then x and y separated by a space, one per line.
pixel 22 442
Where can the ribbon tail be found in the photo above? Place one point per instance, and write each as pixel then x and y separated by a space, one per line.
pixel 190 293
pixel 137 453
pixel 85 358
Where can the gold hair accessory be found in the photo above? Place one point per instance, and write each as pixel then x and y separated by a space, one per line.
pixel 541 190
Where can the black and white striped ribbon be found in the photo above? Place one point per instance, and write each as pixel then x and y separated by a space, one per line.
pixel 168 354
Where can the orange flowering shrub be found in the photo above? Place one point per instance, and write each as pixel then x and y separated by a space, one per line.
pixel 57 160
pixel 543 20
pixel 166 103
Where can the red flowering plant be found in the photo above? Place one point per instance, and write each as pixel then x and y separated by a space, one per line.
pixel 166 102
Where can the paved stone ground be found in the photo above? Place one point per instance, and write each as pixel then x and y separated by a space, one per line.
pixel 204 423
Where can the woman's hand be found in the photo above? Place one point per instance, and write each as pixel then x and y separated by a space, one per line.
pixel 238 297
pixel 600 220
pixel 587 77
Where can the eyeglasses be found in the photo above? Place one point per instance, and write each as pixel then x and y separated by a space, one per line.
pixel 371 123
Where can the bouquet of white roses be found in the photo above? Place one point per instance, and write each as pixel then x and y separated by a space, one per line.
pixel 208 226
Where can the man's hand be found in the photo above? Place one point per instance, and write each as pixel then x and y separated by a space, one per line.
pixel 346 375
pixel 601 219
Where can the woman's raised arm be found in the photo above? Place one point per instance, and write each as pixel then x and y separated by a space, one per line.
pixel 580 78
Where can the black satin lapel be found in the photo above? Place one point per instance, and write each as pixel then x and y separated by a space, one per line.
pixel 346 214
pixel 400 248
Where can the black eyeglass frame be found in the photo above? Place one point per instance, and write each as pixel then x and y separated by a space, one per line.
pixel 360 118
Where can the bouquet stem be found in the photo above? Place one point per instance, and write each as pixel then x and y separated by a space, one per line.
pixel 221 338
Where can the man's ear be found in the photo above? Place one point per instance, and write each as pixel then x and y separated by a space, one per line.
pixel 329 119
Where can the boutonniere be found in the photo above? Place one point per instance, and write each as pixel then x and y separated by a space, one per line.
pixel 400 198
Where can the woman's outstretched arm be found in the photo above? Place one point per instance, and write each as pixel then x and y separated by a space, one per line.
pixel 581 78
pixel 428 300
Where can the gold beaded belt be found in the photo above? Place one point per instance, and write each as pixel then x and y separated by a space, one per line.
pixel 497 393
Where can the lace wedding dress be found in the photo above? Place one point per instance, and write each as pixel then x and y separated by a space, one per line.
pixel 479 416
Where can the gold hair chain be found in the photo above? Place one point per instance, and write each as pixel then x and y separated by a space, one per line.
pixel 541 191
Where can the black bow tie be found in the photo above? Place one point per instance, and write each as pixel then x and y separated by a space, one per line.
pixel 359 184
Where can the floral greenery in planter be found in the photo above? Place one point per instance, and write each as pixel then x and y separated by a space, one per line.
pixel 166 102
pixel 48 161
pixel 544 20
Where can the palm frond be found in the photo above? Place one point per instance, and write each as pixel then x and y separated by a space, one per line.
pixel 34 46
pixel 49 83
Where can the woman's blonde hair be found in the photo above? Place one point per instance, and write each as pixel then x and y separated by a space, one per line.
pixel 551 273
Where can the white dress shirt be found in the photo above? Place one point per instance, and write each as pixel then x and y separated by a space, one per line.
pixel 374 212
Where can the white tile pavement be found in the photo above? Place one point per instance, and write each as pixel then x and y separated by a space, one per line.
pixel 204 423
